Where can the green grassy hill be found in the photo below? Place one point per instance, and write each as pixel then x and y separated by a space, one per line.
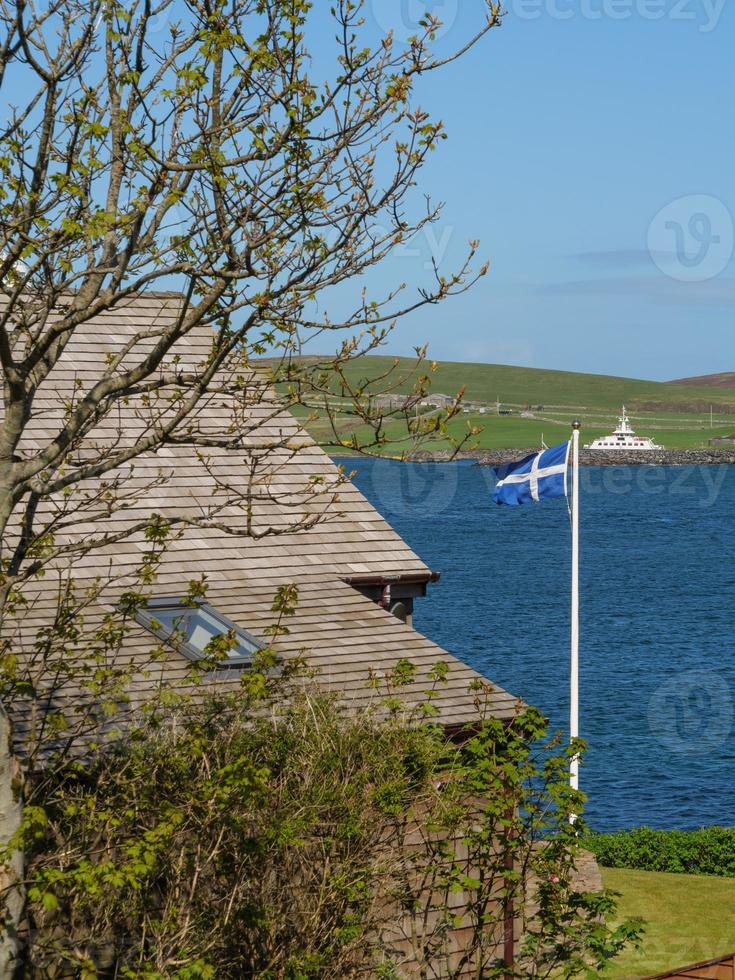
pixel 675 416
pixel 522 386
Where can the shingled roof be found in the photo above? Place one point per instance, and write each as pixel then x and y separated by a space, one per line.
pixel 340 631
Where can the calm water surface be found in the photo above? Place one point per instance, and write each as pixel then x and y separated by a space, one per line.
pixel 657 648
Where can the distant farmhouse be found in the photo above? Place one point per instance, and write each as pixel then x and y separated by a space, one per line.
pixel 438 400
pixel 393 402
pixel 478 408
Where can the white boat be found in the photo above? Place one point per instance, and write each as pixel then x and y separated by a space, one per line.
pixel 624 438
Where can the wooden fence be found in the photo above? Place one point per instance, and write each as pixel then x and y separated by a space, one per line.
pixel 719 969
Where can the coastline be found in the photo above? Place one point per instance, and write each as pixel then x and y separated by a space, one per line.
pixel 587 457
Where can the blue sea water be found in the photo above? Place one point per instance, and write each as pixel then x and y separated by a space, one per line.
pixel 657 640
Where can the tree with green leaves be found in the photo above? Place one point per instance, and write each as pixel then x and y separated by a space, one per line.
pixel 197 146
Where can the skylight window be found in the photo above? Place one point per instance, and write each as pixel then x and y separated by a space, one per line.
pixel 193 626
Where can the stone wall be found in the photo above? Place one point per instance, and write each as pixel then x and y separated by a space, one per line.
pixel 663 457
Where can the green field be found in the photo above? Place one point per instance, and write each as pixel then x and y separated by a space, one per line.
pixel 508 432
pixel 688 918
pixel 675 416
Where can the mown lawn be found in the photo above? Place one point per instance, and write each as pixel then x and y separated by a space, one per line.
pixel 689 919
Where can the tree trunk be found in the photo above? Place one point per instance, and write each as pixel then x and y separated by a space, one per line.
pixel 12 873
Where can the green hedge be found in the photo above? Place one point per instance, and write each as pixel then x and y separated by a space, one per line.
pixel 710 851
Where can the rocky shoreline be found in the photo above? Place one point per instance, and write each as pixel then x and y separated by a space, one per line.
pixel 587 457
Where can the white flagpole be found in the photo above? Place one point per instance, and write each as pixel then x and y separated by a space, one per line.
pixel 574 673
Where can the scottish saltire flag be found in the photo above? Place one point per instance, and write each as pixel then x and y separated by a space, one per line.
pixel 541 476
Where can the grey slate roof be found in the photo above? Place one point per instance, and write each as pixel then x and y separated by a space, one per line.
pixel 341 633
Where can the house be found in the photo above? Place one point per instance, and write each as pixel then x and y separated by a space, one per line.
pixel 438 400
pixel 391 402
pixel 357 579
pixel 479 408
pixel 722 441
pixel 272 511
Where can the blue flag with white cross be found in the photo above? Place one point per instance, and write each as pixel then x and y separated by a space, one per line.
pixel 540 476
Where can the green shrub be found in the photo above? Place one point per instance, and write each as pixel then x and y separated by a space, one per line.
pixel 709 851
pixel 303 842
pixel 261 831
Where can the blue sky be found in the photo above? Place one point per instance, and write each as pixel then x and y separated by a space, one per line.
pixel 592 150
